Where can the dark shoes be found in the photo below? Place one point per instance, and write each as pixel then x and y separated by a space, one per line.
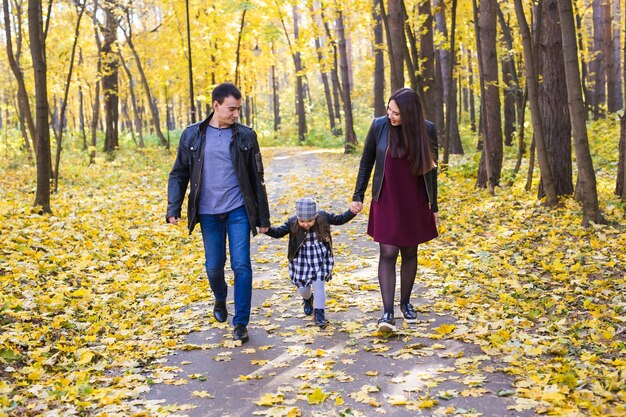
pixel 386 324
pixel 219 311
pixel 308 306
pixel 319 318
pixel 240 333
pixel 410 316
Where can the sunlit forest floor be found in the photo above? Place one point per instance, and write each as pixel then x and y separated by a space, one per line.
pixel 95 295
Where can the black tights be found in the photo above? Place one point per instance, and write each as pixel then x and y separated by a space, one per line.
pixel 387 273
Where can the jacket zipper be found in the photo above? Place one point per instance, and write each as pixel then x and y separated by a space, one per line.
pixel 299 246
pixel 383 173
pixel 201 163
pixel 427 193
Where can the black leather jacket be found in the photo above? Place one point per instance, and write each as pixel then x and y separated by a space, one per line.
pixel 246 157
pixel 374 152
pixel 296 240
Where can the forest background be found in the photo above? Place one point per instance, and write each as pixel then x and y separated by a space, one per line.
pixel 95 94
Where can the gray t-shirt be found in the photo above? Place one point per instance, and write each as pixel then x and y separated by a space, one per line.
pixel 220 191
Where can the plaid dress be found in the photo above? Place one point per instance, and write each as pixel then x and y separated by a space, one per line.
pixel 312 262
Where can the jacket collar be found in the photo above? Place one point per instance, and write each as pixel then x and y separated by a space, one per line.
pixel 205 123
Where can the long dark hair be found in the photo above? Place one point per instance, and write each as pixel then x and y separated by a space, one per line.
pixel 410 139
pixel 321 228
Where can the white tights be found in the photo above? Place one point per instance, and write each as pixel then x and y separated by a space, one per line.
pixel 319 289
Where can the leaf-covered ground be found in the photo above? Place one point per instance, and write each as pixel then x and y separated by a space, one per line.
pixel 94 298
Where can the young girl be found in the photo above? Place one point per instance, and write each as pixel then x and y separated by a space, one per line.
pixel 310 252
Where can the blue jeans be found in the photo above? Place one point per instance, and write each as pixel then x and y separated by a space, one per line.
pixel 214 228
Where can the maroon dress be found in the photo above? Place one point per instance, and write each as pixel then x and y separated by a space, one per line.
pixel 401 216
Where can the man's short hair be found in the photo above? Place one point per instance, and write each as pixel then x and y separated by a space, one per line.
pixel 224 90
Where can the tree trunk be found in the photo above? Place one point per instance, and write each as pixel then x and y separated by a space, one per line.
pixel 597 66
pixel 456 147
pixel 620 183
pixel 297 60
pixel 553 101
pixel 431 92
pixel 617 70
pixel 59 131
pixel 22 95
pixel 442 82
pixel 586 174
pixel 237 52
pixel 583 64
pixel 154 110
pixel 323 71
pixel 515 86
pixel 96 105
pixel 531 166
pixel 297 63
pixel 451 121
pixel 172 105
pixel 533 96
pixel 334 74
pixel 608 52
pixel 110 80
pixel 128 124
pixel 380 102
pixel 336 86
pixel 491 158
pixel 442 52
pixel 169 110
pixel 275 94
pixel 508 79
pixel 395 41
pixel 411 56
pixel 133 100
pixel 472 102
pixel 350 138
pixel 521 116
pixel 42 128
pixel 199 114
pixel 247 111
pixel 192 102
pixel 81 104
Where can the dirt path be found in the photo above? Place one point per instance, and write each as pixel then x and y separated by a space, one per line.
pixel 348 368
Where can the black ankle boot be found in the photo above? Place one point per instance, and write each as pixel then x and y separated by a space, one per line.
pixel 387 323
pixel 219 311
pixel 308 306
pixel 410 316
pixel 319 318
pixel 240 332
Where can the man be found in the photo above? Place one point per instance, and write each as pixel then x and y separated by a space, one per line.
pixel 221 160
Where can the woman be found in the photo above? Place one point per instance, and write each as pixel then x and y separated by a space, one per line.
pixel 402 149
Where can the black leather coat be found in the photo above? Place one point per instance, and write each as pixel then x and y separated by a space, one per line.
pixel 296 240
pixel 246 157
pixel 374 153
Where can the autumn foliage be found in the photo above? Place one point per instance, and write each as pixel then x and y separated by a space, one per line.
pixel 91 297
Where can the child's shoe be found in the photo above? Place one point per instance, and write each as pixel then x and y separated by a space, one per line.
pixel 319 318
pixel 308 306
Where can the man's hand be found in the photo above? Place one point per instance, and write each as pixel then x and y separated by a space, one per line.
pixel 263 229
pixel 173 220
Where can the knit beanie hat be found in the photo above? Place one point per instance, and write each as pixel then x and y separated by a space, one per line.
pixel 306 209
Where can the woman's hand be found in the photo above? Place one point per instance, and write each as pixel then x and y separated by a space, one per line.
pixel 356 207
